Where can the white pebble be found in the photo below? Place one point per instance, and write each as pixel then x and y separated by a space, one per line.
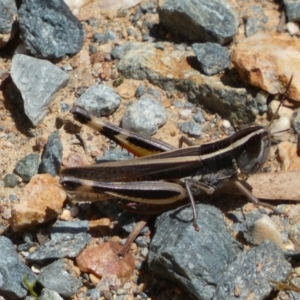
pixel 280 126
pixel 292 27
pixel 226 124
pixel 265 229
pixel 185 113
pixel 283 111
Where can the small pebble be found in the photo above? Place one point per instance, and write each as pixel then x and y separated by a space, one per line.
pixel 280 126
pixel 185 113
pixel 226 124
pixel 265 229
pixel 292 27
pixel 10 180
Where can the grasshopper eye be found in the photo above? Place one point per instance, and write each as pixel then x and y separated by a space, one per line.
pixel 251 154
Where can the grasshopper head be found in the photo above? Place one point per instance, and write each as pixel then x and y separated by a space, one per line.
pixel 251 147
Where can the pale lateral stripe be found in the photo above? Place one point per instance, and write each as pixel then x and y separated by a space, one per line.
pixel 233 145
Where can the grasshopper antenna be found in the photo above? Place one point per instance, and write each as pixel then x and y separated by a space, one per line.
pixel 282 97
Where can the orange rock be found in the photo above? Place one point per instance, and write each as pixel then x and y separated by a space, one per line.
pixel 42 201
pixel 288 156
pixel 103 260
pixel 268 61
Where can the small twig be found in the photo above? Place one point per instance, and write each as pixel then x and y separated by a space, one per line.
pixel 133 234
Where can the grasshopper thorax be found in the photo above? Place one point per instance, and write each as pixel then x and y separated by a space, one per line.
pixel 251 147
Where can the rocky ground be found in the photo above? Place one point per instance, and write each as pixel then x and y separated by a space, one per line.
pixel 164 70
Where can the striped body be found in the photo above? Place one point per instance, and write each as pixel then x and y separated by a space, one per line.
pixel 155 179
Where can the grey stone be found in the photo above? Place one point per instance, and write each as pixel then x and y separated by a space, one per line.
pixel 212 57
pixel 58 277
pixel 49 295
pixel 292 10
pixel 27 167
pixel 190 128
pixel 49 29
pixel 12 271
pixel 200 20
pixel 100 100
pixel 93 294
pixel 68 245
pixel 254 20
pixel 8 13
pixel 140 91
pixel 144 116
pixel 194 260
pixel 61 228
pixel 234 104
pixel 38 81
pixel 119 51
pixel 198 117
pixel 261 100
pixel 243 273
pixel 52 155
pixel 113 155
pixel 148 7
pixel 99 37
pixel 8 16
pixel 10 180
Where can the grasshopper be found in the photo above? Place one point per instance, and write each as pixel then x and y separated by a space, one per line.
pixel 162 175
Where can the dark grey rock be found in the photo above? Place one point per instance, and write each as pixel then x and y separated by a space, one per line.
pixel 100 100
pixel 261 100
pixel 178 103
pixel 26 246
pixel 141 241
pixel 127 221
pixel 292 10
pixel 190 128
pixel 200 20
pixel 64 107
pixel 12 271
pixel 49 295
pixel 99 37
pixel 198 117
pixel 109 208
pixel 68 245
pixel 144 116
pixel 254 20
pixel 243 273
pixel 188 105
pixel 195 260
pixel 154 93
pixel 140 91
pixel 58 277
pixel 296 120
pixel 93 294
pixel 140 62
pixel 38 81
pixel 52 155
pixel 10 180
pixel 8 13
pixel 110 35
pixel 119 51
pixel 12 197
pixel 27 167
pixel 112 155
pixel 130 31
pixel 148 7
pixel 212 57
pixel 49 29
pixel 61 228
